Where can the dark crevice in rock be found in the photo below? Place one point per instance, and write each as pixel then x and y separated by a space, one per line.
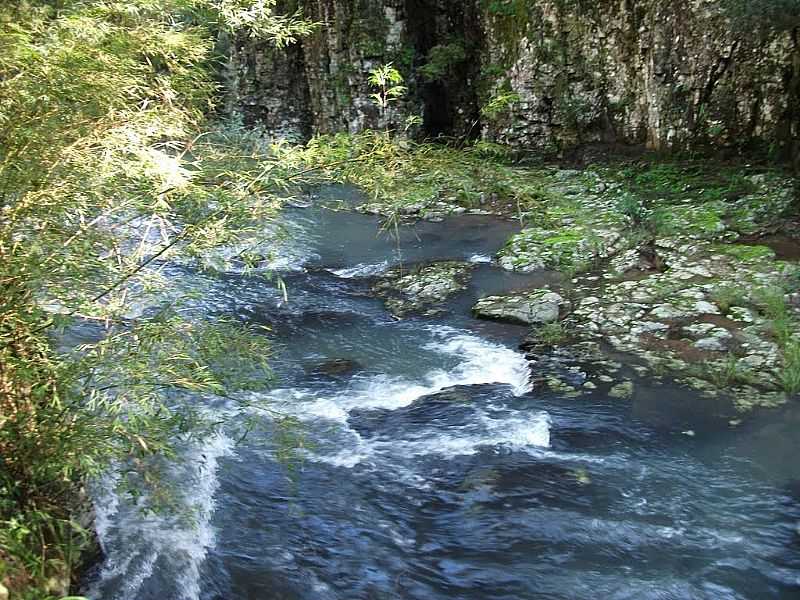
pixel 438 30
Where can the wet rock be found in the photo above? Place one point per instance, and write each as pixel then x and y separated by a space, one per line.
pixel 422 288
pixel 667 311
pixel 623 390
pixel 336 367
pixel 411 209
pixel 575 247
pixel 532 308
pixel 562 388
pixel 712 344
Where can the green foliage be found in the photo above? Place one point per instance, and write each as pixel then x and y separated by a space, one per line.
pixel 633 209
pixel 772 303
pixel 728 372
pixel 499 105
pixel 728 296
pixel 107 170
pixel 258 19
pixel 387 79
pixel 397 173
pixel 676 183
pixel 505 8
pixel 441 59
pixel 783 327
pixel 551 334
pixel 790 370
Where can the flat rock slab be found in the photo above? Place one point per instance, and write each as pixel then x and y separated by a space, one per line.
pixel 531 308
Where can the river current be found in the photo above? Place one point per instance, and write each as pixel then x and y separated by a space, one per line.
pixel 429 469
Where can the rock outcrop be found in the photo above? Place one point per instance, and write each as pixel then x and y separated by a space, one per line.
pixel 540 74
pixel 422 288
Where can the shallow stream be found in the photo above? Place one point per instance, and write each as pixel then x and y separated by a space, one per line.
pixel 429 469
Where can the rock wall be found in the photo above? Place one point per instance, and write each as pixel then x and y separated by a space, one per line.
pixel 538 74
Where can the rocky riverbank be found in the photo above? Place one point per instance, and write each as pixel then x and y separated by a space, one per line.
pixel 686 275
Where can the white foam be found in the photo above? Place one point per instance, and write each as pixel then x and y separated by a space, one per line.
pixel 479 259
pixel 171 537
pixel 515 432
pixel 481 362
pixel 361 270
pixel 527 433
pixel 520 432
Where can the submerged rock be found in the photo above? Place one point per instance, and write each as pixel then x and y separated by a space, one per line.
pixel 532 308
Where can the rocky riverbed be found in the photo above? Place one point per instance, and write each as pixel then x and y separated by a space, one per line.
pixel 678 281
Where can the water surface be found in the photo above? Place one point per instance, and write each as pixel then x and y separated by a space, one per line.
pixel 431 471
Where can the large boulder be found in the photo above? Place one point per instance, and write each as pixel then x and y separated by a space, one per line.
pixel 531 308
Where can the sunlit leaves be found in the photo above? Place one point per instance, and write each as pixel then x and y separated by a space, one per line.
pixel 259 19
pixel 388 80
pixel 106 174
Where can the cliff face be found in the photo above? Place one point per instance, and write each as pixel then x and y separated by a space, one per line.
pixel 539 74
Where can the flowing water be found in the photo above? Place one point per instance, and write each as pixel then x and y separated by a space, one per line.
pixel 430 470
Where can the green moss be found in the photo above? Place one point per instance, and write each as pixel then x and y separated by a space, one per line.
pixel 562 238
pixel 697 222
pixel 744 252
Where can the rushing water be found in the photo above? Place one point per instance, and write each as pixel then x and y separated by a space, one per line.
pixel 432 471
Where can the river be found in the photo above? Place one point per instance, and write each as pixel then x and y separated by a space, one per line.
pixel 425 467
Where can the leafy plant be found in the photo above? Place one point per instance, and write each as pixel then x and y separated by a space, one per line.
pixel 108 169
pixel 389 81
pixel 727 372
pixel 259 19
pixel 441 59
pixel 499 105
pixel 633 209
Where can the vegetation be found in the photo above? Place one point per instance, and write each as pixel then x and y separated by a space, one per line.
pixel 728 296
pixel 790 373
pixel 551 334
pixel 728 372
pixel 782 326
pixel 107 171
pixel 388 82
pixel 400 175
pixel 499 105
pixel 442 58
